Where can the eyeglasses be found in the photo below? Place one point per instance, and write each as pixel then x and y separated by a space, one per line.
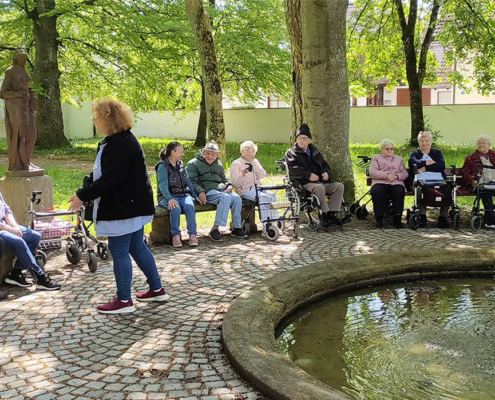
pixel 303 138
pixel 388 148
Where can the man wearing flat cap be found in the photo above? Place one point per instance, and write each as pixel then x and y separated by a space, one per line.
pixel 207 175
pixel 307 165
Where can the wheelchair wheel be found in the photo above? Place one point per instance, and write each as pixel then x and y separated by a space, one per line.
pixel 361 212
pixel 73 254
pixel 414 222
pixel 102 251
pixel 297 229
pixel 280 225
pixel 246 228
pixel 353 207
pixel 272 232
pixel 456 221
pixel 476 222
pixel 92 261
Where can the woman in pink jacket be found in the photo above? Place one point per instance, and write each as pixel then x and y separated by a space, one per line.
pixel 388 174
pixel 247 171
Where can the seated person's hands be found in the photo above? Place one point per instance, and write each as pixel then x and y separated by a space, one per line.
pixel 391 177
pixel 201 198
pixel 244 171
pixel 229 189
pixel 313 178
pixel 172 203
pixel 325 176
pixel 421 170
pixel 430 162
pixel 474 182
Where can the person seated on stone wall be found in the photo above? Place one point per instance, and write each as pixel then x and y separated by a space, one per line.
pixel 207 175
pixel 247 171
pixel 482 155
pixel 431 167
pixel 23 241
pixel 307 165
pixel 388 173
pixel 176 192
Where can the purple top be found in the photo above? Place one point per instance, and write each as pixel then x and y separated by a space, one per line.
pixel 4 210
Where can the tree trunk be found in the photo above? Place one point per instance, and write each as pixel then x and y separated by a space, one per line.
pixel 202 123
pixel 49 119
pixel 294 26
pixel 201 27
pixel 325 87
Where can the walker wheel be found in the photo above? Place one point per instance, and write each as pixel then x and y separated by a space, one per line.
pixel 414 222
pixel 39 261
pixel 246 227
pixel 272 232
pixel 102 251
pixel 92 261
pixel 280 225
pixel 147 241
pixel 42 255
pixel 361 212
pixel 476 222
pixel 353 207
pixel 73 254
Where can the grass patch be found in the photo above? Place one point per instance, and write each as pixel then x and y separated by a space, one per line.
pixel 66 181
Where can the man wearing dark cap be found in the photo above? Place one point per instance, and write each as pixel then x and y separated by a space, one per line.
pixel 306 164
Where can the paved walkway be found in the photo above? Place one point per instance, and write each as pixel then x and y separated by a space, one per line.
pixel 54 345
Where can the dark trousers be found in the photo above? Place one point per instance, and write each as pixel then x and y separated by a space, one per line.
pixel 487 200
pixel 382 194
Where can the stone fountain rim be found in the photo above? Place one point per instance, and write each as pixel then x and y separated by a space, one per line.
pixel 249 325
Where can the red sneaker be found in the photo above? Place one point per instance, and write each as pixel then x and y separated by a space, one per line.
pixel 150 295
pixel 116 307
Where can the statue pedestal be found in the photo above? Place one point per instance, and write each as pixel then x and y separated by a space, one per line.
pixel 17 194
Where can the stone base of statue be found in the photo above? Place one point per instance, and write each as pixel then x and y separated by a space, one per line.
pixel 16 192
pixel 26 173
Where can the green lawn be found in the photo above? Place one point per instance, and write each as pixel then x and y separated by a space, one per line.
pixel 66 180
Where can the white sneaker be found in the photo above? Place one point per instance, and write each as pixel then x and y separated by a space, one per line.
pixel 490 226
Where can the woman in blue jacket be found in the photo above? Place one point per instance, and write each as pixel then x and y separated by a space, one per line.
pixel 176 192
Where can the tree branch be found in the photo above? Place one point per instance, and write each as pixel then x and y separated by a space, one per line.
pixel 425 46
pixel 357 21
pixel 413 16
pixel 481 19
pixel 402 16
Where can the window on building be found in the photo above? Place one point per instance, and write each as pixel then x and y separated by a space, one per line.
pixel 445 97
pixel 275 102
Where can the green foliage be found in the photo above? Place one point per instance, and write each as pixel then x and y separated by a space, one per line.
pixel 466 29
pixel 143 51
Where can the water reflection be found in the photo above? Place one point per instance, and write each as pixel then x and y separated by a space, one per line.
pixel 424 340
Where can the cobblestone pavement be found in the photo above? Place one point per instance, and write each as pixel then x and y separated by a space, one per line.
pixel 54 345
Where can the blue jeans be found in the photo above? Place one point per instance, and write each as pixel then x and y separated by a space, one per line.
pixel 186 204
pixel 24 248
pixel 120 247
pixel 264 197
pixel 224 202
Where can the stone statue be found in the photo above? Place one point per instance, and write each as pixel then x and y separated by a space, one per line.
pixel 20 111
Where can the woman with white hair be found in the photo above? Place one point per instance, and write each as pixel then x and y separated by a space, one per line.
pixel 430 167
pixel 388 174
pixel 482 155
pixel 247 171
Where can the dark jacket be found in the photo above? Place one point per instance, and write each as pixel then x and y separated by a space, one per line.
pixel 206 177
pixel 300 165
pixel 124 187
pixel 415 159
pixel 469 170
pixel 173 181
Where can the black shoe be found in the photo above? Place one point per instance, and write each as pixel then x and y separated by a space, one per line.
pixel 422 221
pixel 333 219
pixel 443 223
pixel 397 222
pixel 379 222
pixel 46 283
pixel 18 279
pixel 215 235
pixel 238 233
pixel 3 295
pixel 324 221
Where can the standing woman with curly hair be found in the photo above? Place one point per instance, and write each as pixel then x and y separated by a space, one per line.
pixel 123 204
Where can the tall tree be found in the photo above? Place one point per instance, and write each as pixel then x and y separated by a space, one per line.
pixel 325 84
pixel 393 39
pixel 294 26
pixel 201 28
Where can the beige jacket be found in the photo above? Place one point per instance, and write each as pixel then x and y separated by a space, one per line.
pixel 242 184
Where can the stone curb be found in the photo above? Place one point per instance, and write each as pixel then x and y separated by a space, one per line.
pixel 249 325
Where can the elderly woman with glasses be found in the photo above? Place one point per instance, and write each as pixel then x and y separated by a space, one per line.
pixel 247 171
pixel 483 155
pixel 388 174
